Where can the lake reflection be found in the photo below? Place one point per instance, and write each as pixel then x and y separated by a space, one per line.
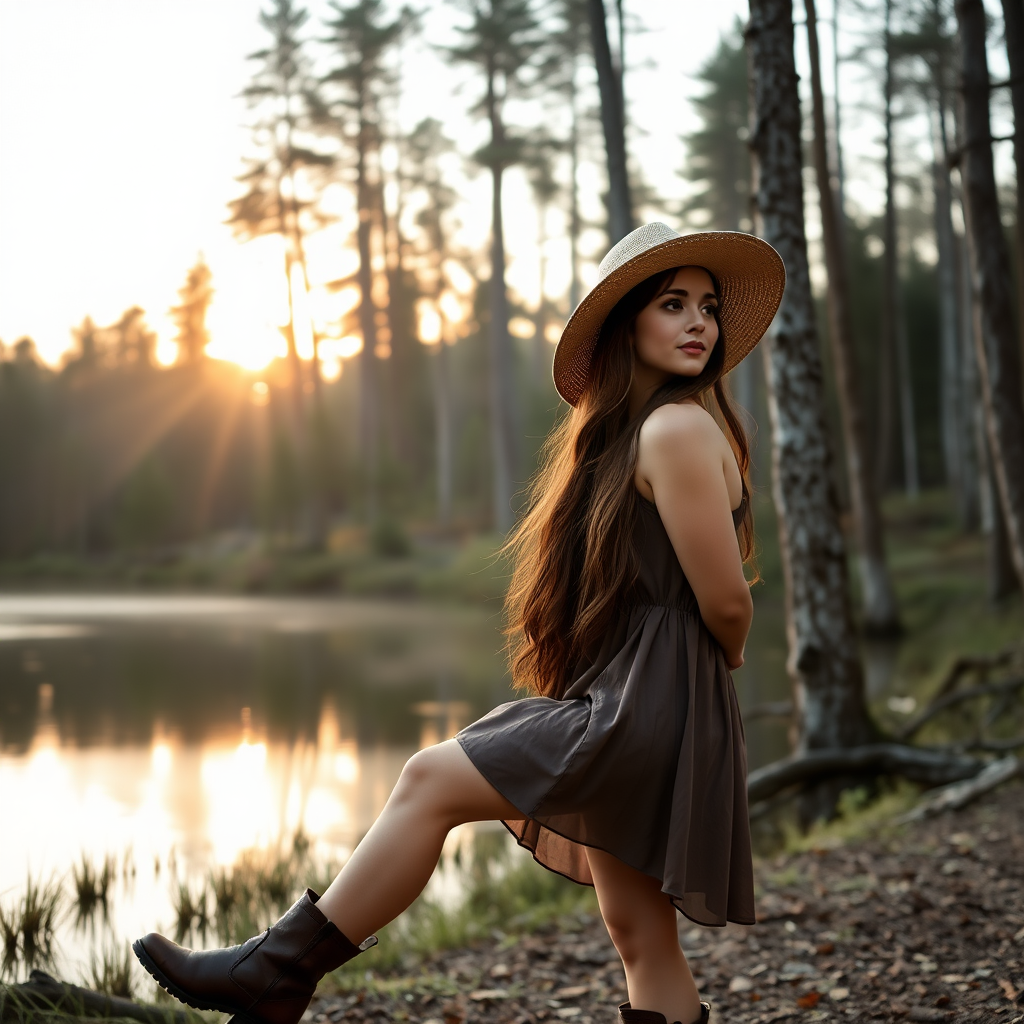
pixel 174 732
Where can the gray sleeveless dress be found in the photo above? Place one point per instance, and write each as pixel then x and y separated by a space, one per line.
pixel 644 757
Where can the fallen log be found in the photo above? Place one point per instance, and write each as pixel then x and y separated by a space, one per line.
pixel 929 767
pixel 43 997
pixel 959 794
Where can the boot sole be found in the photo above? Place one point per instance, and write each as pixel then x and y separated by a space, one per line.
pixel 179 993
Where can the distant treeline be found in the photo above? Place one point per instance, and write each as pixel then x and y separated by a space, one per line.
pixel 437 418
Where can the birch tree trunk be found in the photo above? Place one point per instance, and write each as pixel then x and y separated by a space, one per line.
pixel 1013 28
pixel 613 121
pixel 824 660
pixel 999 357
pixel 881 617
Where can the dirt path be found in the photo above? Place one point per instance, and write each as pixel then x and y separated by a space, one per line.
pixel 928 926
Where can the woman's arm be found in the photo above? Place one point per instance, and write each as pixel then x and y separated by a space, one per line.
pixel 682 458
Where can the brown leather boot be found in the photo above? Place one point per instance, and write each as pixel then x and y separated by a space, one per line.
pixel 268 979
pixel 627 1015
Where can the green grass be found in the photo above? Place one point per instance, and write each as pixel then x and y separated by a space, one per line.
pixel 507 894
pixel 91 885
pixel 29 923
pixel 457 569
pixel 112 970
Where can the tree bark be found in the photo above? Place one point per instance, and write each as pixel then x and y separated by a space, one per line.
pixel 500 367
pixel 930 767
pixel 620 204
pixel 575 221
pixel 369 430
pixel 956 432
pixel 443 427
pixel 1013 27
pixel 881 617
pixel 890 360
pixel 999 358
pixel 908 423
pixel 824 660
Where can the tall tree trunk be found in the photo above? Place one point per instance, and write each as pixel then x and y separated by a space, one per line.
pixel 999 358
pixel 1013 25
pixel 837 141
pixel 974 445
pixel 908 424
pixel 824 660
pixel 890 281
pixel 399 367
pixel 540 343
pixel 575 221
pixel 500 367
pixel 294 363
pixel 620 204
pixel 441 380
pixel 369 430
pixel 881 616
pixel 955 431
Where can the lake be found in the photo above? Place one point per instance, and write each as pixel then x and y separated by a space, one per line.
pixel 170 733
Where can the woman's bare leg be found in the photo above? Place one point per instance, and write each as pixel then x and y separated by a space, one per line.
pixel 642 924
pixel 439 788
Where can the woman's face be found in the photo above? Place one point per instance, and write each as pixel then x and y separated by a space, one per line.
pixel 676 331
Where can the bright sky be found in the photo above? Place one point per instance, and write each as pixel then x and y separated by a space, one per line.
pixel 121 132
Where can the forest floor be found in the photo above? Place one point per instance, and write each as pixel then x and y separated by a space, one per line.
pixel 918 922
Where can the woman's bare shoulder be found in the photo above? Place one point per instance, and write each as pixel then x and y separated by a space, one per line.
pixel 670 425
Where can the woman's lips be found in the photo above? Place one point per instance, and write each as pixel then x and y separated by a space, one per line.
pixel 693 347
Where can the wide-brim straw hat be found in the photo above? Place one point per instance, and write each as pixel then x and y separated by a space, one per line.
pixel 750 274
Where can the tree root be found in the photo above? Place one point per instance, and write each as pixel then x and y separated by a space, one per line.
pixel 948 700
pixel 959 794
pixel 930 767
pixel 43 997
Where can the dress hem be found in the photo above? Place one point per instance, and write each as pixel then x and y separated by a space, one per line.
pixel 591 846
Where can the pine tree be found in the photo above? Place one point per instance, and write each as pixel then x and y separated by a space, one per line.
pixel 190 315
pixel 717 155
pixel 361 37
pixel 500 40
pixel 282 93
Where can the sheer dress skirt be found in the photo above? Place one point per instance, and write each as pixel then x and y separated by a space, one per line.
pixel 643 758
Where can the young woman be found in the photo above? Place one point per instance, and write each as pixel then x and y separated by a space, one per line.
pixel 628 607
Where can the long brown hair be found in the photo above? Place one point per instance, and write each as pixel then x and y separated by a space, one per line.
pixel 573 554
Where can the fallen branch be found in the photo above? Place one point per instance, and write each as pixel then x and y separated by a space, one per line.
pixel 988 746
pixel 929 767
pixel 43 994
pixel 959 794
pixel 982 664
pixel 949 700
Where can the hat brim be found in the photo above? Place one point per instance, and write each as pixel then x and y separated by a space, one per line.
pixel 751 278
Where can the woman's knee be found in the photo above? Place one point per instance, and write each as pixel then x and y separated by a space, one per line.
pixel 418 781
